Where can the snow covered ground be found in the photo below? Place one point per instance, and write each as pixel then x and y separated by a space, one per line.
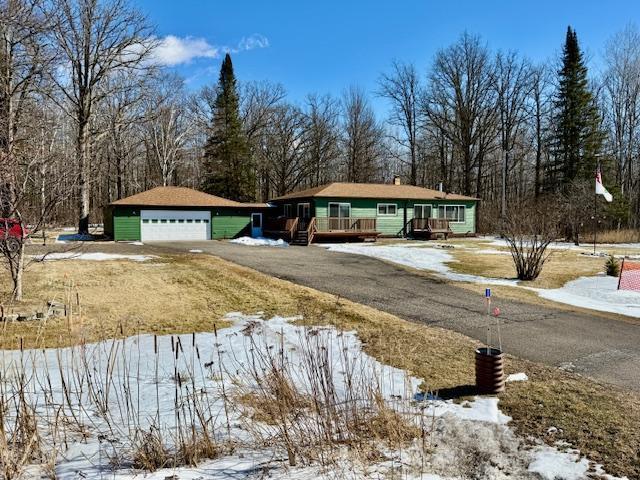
pixel 92 256
pixel 145 379
pixel 597 293
pixel 259 242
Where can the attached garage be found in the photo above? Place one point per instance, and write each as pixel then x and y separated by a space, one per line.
pixel 178 214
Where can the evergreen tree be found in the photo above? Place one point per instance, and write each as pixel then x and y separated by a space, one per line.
pixel 227 161
pixel 578 137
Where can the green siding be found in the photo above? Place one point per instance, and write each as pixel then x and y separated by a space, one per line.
pixel 230 224
pixel 126 224
pixel 393 225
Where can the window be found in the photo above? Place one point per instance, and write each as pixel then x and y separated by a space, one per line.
pixel 205 220
pixel 387 209
pixel 154 220
pixel 164 220
pixel 256 220
pixel 172 220
pixel 145 220
pixel 453 213
pixel 339 210
pixel 422 211
pixel 288 210
pixel 181 220
pixel 197 220
pixel 189 220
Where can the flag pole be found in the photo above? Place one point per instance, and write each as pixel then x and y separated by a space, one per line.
pixel 595 221
pixel 595 210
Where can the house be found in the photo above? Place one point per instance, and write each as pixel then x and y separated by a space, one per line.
pixel 368 210
pixel 179 213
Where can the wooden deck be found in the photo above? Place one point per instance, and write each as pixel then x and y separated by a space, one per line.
pixel 430 227
pixel 303 231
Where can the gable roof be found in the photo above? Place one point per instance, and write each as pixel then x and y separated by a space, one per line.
pixel 374 190
pixel 176 197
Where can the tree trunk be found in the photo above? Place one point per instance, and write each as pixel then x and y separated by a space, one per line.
pixel 83 177
pixel 17 273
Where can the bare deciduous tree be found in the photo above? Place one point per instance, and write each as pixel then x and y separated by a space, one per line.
pixel 512 84
pixel 403 90
pixel 362 142
pixel 460 102
pixel 96 38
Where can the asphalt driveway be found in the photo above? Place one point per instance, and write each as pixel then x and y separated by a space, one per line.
pixel 603 348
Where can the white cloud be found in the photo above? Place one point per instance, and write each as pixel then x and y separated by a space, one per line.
pixel 254 41
pixel 172 50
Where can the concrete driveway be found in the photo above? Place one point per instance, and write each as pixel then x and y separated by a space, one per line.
pixel 603 348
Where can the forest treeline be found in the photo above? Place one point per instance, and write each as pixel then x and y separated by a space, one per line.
pixel 88 116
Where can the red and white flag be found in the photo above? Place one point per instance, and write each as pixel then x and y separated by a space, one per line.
pixel 600 190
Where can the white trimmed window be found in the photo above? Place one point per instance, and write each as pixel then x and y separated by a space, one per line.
pixel 339 210
pixel 387 209
pixel 453 213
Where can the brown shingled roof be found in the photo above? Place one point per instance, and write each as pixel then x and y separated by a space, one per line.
pixel 374 190
pixel 176 197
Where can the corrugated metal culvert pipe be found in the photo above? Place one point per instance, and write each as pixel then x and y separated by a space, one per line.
pixel 489 371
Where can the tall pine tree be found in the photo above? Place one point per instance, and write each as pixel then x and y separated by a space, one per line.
pixel 227 161
pixel 578 137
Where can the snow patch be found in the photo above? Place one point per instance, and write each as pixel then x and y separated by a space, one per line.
pixel 552 464
pixel 466 435
pixel 259 242
pixel 423 258
pixel 597 293
pixel 93 256
pixel 517 377
pixel 195 250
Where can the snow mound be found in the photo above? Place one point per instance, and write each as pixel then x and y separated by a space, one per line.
pixel 94 256
pixel 259 242
pixel 597 293
pixel 195 250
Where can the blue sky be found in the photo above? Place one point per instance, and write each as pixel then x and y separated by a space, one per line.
pixel 324 46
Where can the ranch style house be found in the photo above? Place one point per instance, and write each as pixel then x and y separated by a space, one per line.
pixel 335 211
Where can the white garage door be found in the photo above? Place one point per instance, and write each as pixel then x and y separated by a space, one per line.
pixel 162 225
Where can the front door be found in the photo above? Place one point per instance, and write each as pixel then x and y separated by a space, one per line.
pixel 304 211
pixel 256 225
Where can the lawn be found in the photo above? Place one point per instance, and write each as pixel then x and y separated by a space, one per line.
pixel 186 293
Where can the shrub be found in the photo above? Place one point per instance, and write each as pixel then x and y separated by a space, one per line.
pixel 612 266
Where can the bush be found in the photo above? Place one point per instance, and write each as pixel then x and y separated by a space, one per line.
pixel 528 231
pixel 612 266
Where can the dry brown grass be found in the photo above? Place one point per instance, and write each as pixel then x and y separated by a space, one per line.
pixel 174 294
pixel 615 236
pixel 603 421
pixel 561 267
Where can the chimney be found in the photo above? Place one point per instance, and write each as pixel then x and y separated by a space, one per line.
pixel 440 187
pixel 396 179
